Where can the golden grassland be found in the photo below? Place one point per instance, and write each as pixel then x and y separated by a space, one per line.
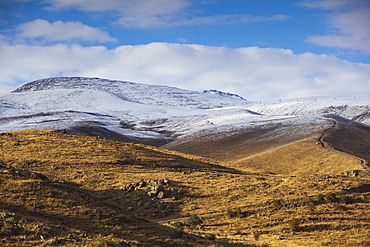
pixel 63 189
pixel 302 158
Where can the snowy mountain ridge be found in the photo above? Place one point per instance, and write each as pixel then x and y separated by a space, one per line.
pixel 140 93
pixel 142 113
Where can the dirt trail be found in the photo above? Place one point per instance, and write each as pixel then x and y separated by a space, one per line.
pixel 321 138
pixel 364 163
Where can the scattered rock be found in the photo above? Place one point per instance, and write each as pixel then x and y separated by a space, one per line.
pixel 353 173
pixel 7 134
pixel 161 195
pixel 154 188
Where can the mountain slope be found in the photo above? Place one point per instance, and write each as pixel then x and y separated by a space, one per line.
pixel 117 110
pixel 156 95
pixel 349 137
pixel 231 144
pixel 356 108
pixel 281 146
pixel 301 158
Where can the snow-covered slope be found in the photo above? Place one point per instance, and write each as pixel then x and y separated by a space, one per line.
pixel 154 114
pixel 140 93
pixel 357 108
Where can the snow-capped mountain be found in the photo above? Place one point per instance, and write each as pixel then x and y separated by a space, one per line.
pixel 155 114
pixel 156 95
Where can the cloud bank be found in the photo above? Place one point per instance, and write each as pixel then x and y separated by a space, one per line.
pixel 255 73
pixel 348 22
pixel 158 14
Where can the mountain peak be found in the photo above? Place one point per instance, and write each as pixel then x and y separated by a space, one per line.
pixel 65 83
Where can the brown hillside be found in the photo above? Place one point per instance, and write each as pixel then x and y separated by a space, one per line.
pixel 302 158
pixel 60 153
pixel 71 185
pixel 36 211
pixel 350 137
pixel 68 190
pixel 232 145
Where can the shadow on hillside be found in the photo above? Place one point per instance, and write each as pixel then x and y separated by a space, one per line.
pixel 321 227
pixel 360 189
pixel 99 131
pixel 71 219
pixel 183 166
pixel 65 208
pixel 153 199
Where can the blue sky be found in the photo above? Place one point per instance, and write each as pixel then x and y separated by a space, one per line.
pixel 263 49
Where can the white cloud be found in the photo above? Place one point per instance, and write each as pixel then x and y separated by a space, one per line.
pixel 156 14
pixel 151 6
pixel 334 4
pixel 230 19
pixel 252 72
pixel 136 14
pixel 349 21
pixel 43 30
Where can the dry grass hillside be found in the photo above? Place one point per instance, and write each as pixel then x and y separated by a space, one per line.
pixel 301 158
pixel 68 190
pixel 59 188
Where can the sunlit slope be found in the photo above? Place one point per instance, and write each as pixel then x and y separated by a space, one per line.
pixel 54 150
pixel 302 158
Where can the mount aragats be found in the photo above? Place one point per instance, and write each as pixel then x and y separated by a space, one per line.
pixel 96 162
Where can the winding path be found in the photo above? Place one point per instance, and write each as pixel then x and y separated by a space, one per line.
pixel 364 163
pixel 321 138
